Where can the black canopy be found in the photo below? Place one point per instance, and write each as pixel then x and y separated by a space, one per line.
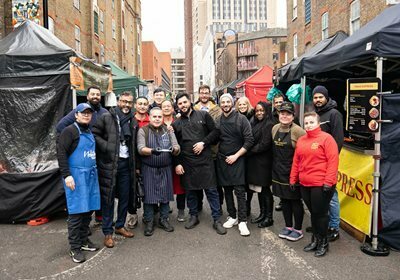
pixel 31 50
pixel 294 70
pixel 378 38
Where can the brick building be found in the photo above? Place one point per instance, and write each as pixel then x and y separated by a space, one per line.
pixel 99 29
pixel 311 21
pixel 256 49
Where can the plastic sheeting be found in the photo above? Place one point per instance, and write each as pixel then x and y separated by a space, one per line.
pixel 390 166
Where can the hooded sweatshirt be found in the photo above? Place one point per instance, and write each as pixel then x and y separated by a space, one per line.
pixel 316 160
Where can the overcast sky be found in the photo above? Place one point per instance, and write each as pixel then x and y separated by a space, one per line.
pixel 163 23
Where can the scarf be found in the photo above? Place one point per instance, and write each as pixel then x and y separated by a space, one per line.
pixel 124 123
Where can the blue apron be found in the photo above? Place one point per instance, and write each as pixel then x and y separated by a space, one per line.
pixel 82 166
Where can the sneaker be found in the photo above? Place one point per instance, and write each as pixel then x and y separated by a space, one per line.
pixel 244 231
pixel 89 246
pixel 77 256
pixel 219 228
pixel 165 225
pixel 285 232
pixel 230 222
pixel 333 234
pixel 278 207
pixel 132 221
pixel 193 221
pixel 295 235
pixel 181 215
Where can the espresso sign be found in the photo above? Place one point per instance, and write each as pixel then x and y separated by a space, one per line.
pixel 363 105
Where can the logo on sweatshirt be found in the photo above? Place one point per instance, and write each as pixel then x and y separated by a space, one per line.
pixel 89 154
pixel 314 146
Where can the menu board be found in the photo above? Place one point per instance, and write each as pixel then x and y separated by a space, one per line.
pixel 363 105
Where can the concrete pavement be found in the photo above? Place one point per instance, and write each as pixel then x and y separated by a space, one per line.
pixel 42 253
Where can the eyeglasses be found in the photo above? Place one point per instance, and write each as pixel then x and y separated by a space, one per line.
pixel 86 113
pixel 126 101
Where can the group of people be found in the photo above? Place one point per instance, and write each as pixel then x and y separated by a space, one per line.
pixel 223 151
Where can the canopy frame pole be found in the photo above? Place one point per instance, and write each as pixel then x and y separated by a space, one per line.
pixel 302 100
pixel 374 249
pixel 74 98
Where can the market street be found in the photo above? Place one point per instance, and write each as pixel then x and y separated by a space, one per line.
pixel 42 253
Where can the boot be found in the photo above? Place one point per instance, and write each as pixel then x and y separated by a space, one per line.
pixel 312 246
pixel 149 228
pixel 268 208
pixel 248 202
pixel 322 247
pixel 260 217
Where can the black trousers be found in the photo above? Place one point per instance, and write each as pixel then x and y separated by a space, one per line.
pixel 78 229
pixel 240 193
pixel 181 201
pixel 317 202
pixel 293 208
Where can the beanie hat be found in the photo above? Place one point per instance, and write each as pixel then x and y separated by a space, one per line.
pixel 322 90
pixel 228 95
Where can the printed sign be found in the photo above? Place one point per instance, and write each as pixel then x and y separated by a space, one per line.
pixel 25 9
pixel 363 105
pixel 354 186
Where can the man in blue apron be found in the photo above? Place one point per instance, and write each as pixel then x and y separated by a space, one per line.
pixel 77 161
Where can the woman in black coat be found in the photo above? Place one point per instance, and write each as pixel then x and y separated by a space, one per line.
pixel 259 163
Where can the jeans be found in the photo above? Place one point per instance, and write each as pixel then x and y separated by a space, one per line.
pixel 123 185
pixel 213 201
pixel 240 193
pixel 78 229
pixel 148 214
pixel 334 211
pixel 317 202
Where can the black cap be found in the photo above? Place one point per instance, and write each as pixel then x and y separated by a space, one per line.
pixel 287 106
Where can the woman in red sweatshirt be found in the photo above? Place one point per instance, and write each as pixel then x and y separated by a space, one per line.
pixel 315 167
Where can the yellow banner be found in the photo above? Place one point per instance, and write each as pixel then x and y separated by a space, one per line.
pixel 354 186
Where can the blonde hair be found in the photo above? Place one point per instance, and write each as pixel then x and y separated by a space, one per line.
pixel 245 100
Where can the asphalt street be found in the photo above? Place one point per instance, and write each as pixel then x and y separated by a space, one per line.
pixel 41 252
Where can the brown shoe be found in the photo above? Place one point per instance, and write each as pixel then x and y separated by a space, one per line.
pixel 122 231
pixel 109 241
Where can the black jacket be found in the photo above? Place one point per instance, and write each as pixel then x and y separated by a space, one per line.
pixel 332 121
pixel 259 157
pixel 106 133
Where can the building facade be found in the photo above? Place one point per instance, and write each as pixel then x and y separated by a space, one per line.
pixel 99 29
pixel 178 71
pixel 311 21
pixel 188 19
pixel 255 50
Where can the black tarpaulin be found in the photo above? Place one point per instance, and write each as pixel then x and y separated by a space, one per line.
pixel 31 50
pixel 379 37
pixel 294 70
pixel 34 94
pixel 390 166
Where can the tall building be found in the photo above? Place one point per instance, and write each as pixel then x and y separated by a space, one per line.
pixel 99 29
pixel 311 21
pixel 178 71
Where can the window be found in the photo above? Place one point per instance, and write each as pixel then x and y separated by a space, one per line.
pixel 101 21
pixel 77 38
pixel 252 9
pixel 354 16
pixel 113 4
pixel 294 45
pixel 263 9
pixel 102 53
pixel 275 41
pixel 307 11
pixel 275 56
pixel 216 9
pixel 77 4
pixel 113 29
pixel 294 10
pixel 96 22
pixel 325 25
pixel 227 9
pixel 237 9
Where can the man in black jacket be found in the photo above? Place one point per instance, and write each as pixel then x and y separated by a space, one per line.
pixel 115 134
pixel 332 123
pixel 194 131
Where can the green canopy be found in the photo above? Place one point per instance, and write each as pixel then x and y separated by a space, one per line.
pixel 122 81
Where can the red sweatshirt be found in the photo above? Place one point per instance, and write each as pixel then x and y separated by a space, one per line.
pixel 316 160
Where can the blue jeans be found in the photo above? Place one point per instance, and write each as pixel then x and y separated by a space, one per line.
pixel 122 186
pixel 148 211
pixel 213 200
pixel 334 211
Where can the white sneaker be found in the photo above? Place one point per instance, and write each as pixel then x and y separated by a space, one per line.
pixel 230 222
pixel 132 220
pixel 244 231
